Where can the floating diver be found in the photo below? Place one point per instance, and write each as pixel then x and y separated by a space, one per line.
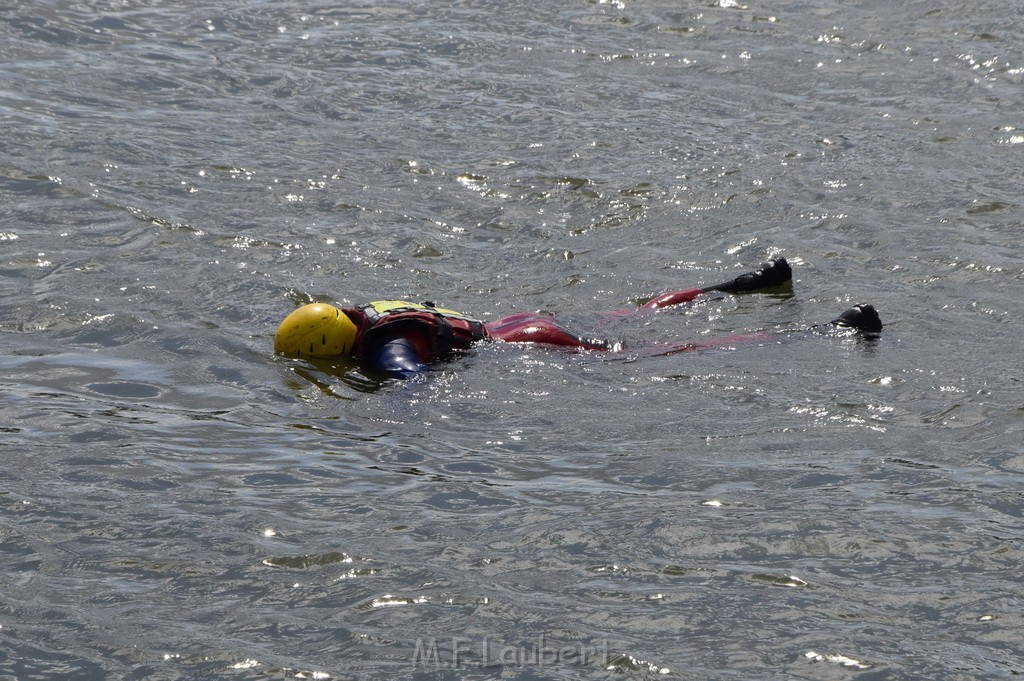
pixel 402 339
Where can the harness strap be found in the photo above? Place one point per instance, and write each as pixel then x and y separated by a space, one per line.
pixel 476 327
pixel 445 335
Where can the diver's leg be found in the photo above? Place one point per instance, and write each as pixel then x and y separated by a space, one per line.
pixel 772 273
pixel 529 327
pixel 862 318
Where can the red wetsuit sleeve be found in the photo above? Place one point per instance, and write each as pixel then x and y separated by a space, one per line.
pixel 529 327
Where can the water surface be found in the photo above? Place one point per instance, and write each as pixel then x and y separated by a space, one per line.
pixel 178 503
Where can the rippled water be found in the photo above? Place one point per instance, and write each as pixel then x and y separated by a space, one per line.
pixel 178 503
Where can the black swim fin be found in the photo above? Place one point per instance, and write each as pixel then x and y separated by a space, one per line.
pixel 770 274
pixel 864 318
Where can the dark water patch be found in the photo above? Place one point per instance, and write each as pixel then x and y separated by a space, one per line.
pixel 304 562
pixel 125 389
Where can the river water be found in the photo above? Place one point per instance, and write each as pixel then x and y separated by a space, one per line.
pixel 178 503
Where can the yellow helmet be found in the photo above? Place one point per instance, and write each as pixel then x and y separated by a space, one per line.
pixel 315 330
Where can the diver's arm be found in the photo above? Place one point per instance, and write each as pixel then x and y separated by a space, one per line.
pixel 398 358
